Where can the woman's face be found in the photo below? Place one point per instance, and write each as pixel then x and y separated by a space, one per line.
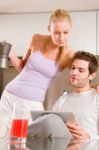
pixel 59 32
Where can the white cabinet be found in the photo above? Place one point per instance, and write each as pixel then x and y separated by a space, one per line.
pixel 83 35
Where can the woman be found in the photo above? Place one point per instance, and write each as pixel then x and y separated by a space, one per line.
pixel 46 56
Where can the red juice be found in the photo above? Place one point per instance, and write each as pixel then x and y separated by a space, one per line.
pixel 19 128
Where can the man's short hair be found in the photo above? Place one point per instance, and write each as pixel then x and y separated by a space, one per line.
pixel 86 56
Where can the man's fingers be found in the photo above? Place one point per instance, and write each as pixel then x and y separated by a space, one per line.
pixel 78 132
pixel 76 136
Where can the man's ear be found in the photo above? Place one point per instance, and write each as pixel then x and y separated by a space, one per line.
pixel 92 76
pixel 49 28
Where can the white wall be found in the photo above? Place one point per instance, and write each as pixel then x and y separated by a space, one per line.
pixel 18 29
pixel 83 35
pixel 97 33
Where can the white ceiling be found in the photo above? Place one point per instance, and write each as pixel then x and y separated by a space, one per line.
pixel 29 6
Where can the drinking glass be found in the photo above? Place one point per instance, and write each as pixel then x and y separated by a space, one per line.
pixel 20 146
pixel 3 124
pixel 19 125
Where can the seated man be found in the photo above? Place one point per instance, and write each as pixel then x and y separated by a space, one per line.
pixel 83 102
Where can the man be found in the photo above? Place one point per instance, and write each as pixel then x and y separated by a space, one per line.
pixel 83 102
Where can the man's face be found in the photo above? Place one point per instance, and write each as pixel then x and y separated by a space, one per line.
pixel 79 74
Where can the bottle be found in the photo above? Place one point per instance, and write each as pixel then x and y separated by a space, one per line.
pixel 4 52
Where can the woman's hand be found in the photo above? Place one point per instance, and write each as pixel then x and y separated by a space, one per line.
pixel 96 86
pixel 77 132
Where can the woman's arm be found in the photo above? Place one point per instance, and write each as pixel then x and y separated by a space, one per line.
pixel 19 63
pixel 34 44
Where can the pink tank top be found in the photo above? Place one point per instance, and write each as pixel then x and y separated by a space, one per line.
pixel 35 78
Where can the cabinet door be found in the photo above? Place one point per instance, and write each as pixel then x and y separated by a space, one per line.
pixel 83 34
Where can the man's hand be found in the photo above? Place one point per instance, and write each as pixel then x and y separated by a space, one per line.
pixel 75 144
pixel 77 132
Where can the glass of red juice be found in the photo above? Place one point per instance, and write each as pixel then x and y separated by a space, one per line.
pixel 19 125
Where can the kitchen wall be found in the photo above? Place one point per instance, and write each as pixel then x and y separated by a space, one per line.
pixel 18 29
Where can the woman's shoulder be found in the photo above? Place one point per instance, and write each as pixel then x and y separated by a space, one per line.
pixel 68 58
pixel 38 36
pixel 70 53
pixel 37 40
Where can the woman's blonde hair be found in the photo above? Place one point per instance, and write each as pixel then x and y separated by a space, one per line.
pixel 60 14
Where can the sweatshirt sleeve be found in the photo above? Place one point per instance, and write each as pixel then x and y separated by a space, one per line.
pixel 59 102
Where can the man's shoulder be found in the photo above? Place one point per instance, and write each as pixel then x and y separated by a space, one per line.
pixel 60 101
pixel 64 96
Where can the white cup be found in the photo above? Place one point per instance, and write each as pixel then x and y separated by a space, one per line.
pixel 3 124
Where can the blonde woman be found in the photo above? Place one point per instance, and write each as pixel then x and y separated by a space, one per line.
pixel 46 56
